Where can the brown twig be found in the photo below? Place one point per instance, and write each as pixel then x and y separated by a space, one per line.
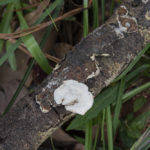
pixel 39 26
pixel 28 7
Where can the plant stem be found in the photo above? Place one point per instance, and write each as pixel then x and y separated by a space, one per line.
pixel 109 128
pixel 102 128
pixel 103 10
pixel 88 136
pixel 95 14
pixel 85 18
pixel 118 105
pixel 112 7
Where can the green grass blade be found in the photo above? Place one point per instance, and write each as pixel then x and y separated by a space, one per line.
pixel 11 51
pixel 88 136
pixel 99 121
pixel 11 58
pixel 85 18
pixel 103 10
pixel 109 128
pixel 118 105
pixel 95 14
pixel 32 45
pixel 48 11
pixel 135 91
pixel 112 7
pixel 133 63
pixel 103 129
pixel 4 2
pixel 96 137
pixel 136 72
pixel 5 23
pixel 53 147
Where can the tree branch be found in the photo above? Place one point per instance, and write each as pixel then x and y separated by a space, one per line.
pixel 95 61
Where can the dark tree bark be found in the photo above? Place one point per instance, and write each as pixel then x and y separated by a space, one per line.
pixel 95 61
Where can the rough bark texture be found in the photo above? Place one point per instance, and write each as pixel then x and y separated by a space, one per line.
pixel 95 61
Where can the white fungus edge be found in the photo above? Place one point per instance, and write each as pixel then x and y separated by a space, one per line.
pixel 41 108
pixel 74 96
pixel 94 74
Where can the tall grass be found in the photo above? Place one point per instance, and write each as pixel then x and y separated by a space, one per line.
pixel 109 128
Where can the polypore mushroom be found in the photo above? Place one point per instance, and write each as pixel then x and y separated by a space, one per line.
pixel 74 96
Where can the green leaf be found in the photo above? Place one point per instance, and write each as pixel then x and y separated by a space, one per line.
pixel 5 23
pixel 126 141
pixel 4 2
pixel 139 121
pixel 11 56
pixel 10 51
pixel 138 104
pixel 104 99
pixel 32 45
pixel 136 125
pixel 133 133
pixel 5 28
pixel 79 139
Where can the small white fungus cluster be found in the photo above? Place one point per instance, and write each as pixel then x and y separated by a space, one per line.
pixel 123 27
pixel 74 96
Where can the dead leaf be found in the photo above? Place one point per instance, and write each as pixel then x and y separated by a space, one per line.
pixel 61 49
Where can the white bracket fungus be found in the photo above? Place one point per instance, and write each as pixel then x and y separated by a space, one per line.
pixel 74 96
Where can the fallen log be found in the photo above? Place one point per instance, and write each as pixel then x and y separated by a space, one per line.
pixel 95 61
